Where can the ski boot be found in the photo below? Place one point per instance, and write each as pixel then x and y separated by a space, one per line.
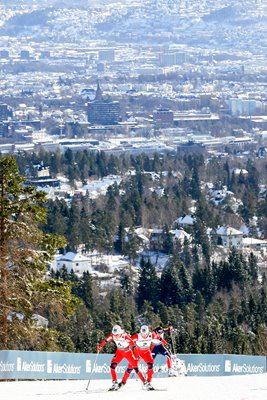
pixel 148 386
pixel 171 373
pixel 115 386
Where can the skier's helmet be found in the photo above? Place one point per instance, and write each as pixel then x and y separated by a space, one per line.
pixel 116 330
pixel 144 330
pixel 159 330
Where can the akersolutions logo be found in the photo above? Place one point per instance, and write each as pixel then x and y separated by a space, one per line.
pixel 57 368
pixel 88 366
pixel 29 366
pixel 245 368
pixel 49 366
pixel 19 363
pixel 227 366
pixel 203 368
pixel 7 366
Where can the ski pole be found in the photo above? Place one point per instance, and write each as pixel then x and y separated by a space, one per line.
pixel 90 377
pixel 158 371
pixel 173 347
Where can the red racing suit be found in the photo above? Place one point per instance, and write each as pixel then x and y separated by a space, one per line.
pixel 142 350
pixel 124 345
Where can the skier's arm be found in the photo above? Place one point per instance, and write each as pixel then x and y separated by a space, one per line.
pixel 163 341
pixel 169 330
pixel 157 339
pixel 130 340
pixel 134 338
pixel 103 343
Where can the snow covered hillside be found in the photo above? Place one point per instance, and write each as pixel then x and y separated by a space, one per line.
pixel 243 387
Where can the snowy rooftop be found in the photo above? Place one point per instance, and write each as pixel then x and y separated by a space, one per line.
pixel 228 231
pixel 74 257
pixel 186 220
pixel 252 241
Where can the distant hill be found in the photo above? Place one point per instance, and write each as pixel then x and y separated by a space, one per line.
pixel 222 15
pixel 18 21
pixel 231 14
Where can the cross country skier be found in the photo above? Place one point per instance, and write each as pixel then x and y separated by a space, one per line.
pixel 159 348
pixel 124 345
pixel 142 350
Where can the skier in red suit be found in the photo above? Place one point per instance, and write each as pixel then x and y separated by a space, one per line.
pixel 124 345
pixel 142 350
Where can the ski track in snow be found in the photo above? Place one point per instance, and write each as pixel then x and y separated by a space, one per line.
pixel 243 387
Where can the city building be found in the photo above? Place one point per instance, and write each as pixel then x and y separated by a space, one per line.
pixel 5 112
pixel 246 107
pixel 103 111
pixel 106 55
pixel 25 55
pixel 4 129
pixel 4 54
pixel 163 117
pixel 169 58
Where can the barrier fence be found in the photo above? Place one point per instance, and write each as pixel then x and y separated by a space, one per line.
pixel 49 365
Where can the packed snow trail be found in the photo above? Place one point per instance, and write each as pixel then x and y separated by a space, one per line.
pixel 242 387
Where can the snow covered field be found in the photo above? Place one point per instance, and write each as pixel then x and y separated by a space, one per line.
pixel 242 387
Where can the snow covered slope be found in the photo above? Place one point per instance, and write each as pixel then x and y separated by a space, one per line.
pixel 243 387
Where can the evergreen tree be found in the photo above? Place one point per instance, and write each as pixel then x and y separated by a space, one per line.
pixel 131 246
pixel 186 256
pixel 195 185
pixel 167 245
pixel 186 288
pixel 54 162
pixel 86 232
pixel 74 224
pixel 84 290
pixel 24 252
pixel 156 163
pixel 201 238
pixel 57 217
pixel 112 165
pixel 126 283
pixel 170 287
pixel 227 178
pixel 252 180
pixel 119 244
pixel 253 267
pixel 101 163
pixel 200 306
pixel 148 285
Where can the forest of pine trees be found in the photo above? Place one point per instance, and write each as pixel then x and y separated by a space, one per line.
pixel 216 307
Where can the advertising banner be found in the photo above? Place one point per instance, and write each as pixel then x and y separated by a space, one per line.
pixel 240 365
pixel 48 365
pixel 223 364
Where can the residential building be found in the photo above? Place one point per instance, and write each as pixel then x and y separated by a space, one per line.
pixel 255 244
pixel 186 220
pixel 73 262
pixel 229 237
